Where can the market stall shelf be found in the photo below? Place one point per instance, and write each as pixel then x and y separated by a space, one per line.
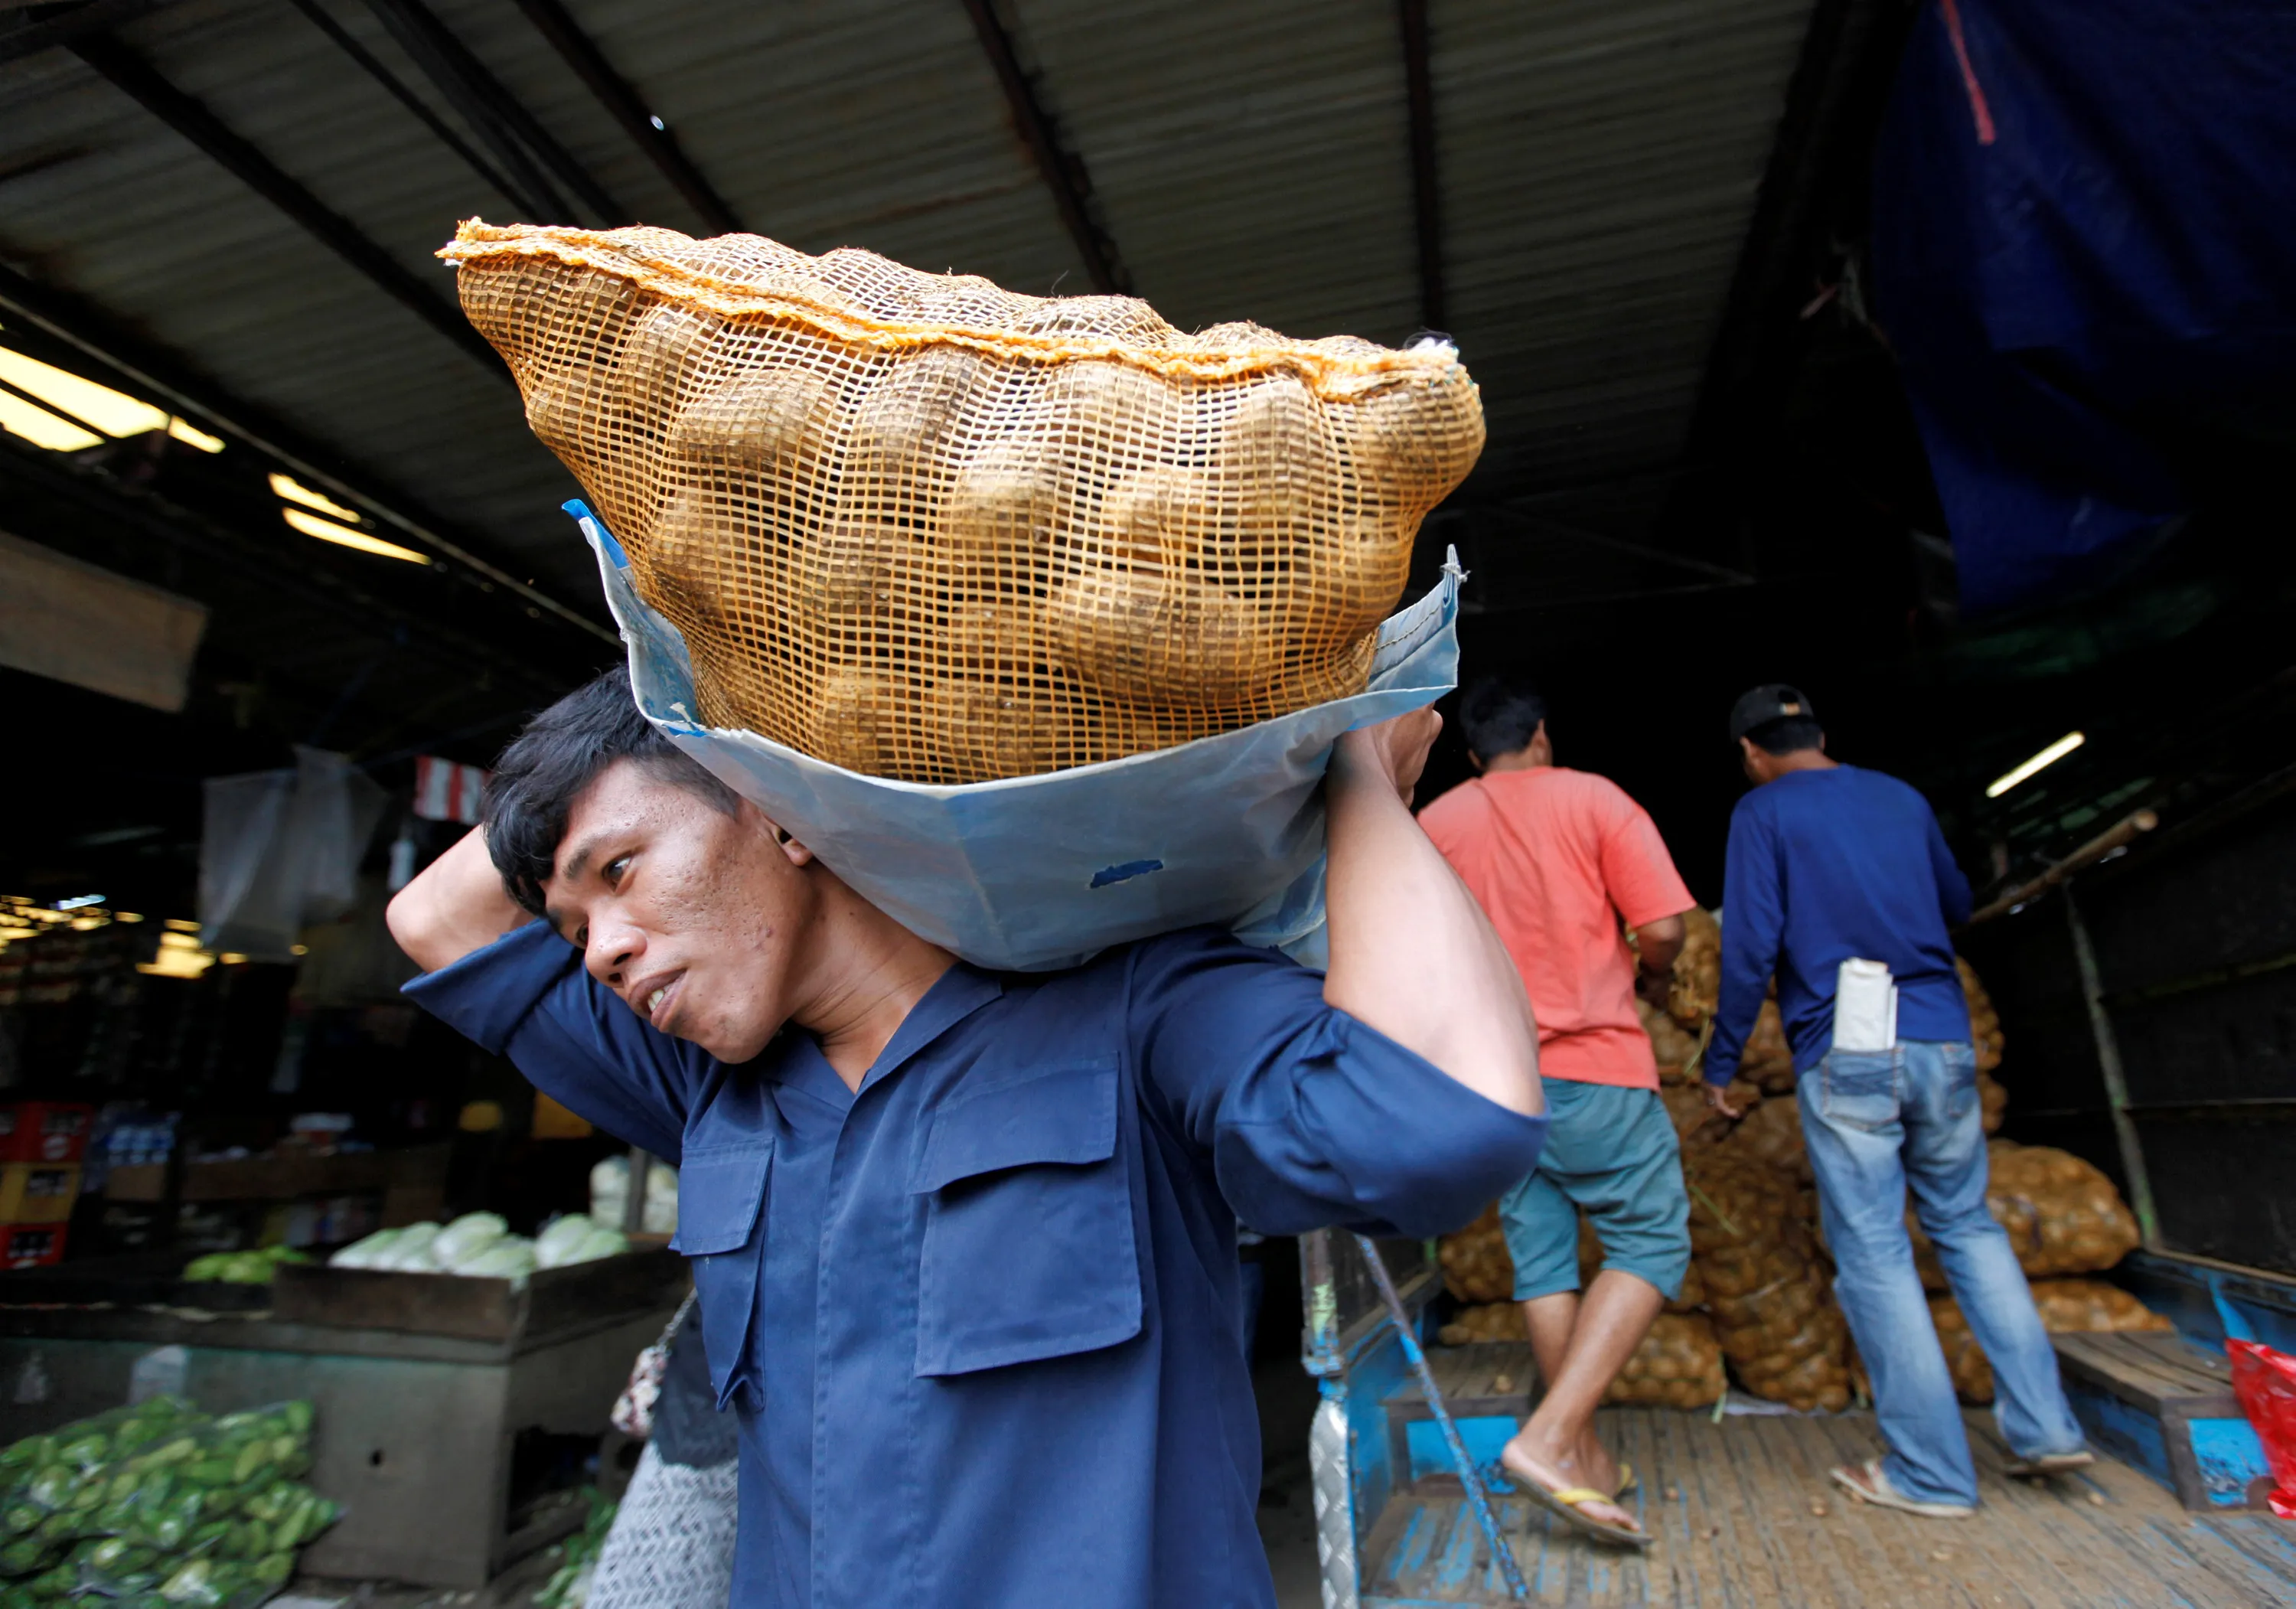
pixel 417 1431
pixel 478 1309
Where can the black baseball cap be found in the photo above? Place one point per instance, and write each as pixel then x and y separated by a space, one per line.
pixel 1770 701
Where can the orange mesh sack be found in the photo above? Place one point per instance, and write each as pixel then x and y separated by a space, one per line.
pixel 924 529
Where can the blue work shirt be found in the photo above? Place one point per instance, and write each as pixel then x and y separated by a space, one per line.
pixel 1827 866
pixel 979 1319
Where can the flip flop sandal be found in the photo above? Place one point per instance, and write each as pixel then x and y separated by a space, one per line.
pixel 1627 1481
pixel 1866 1484
pixel 1564 1500
pixel 2049 1464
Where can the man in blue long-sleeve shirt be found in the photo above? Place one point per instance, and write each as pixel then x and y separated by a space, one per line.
pixel 964 1244
pixel 1829 863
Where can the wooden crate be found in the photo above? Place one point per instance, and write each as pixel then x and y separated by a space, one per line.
pixel 2166 1407
pixel 478 1309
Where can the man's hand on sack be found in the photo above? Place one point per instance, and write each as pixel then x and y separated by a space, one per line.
pixel 1395 748
pixel 1717 1098
pixel 1654 986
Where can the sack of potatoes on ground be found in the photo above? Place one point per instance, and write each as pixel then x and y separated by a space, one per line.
pixel 924 529
pixel 2062 1215
pixel 2066 1306
pixel 1476 1266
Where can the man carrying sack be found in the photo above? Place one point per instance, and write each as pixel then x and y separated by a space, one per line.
pixel 1559 859
pixel 1840 884
pixel 965 1242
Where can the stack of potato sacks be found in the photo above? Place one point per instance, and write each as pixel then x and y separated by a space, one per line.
pixel 1760 1287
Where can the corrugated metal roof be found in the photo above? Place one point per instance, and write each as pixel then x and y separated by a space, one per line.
pixel 1598 163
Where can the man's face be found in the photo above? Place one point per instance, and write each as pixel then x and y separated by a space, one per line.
pixel 690 915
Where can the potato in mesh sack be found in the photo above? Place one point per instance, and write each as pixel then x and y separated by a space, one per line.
pixel 1768 1060
pixel 2062 1215
pixel 2066 1306
pixel 1678 1365
pixel 1674 1049
pixel 1697 971
pixel 1476 1267
pixel 1984 1022
pixel 1766 1284
pixel 1770 1136
pixel 1993 1100
pixel 1485 1321
pixel 924 529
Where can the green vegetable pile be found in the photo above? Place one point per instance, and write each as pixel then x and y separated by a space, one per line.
pixel 242 1268
pixel 159 1506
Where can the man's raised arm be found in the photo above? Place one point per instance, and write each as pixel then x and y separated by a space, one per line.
pixel 455 906
pixel 1412 953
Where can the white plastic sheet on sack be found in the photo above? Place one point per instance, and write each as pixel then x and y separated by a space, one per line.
pixel 279 851
pixel 1034 873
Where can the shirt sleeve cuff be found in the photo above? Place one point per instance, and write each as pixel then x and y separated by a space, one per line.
pixel 486 995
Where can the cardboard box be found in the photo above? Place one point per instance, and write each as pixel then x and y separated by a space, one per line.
pixel 38 1192
pixel 31 1245
pixel 44 1131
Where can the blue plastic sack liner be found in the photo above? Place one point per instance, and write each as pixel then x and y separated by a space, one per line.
pixel 1034 873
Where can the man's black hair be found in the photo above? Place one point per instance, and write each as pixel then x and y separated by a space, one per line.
pixel 563 751
pixel 1498 716
pixel 1786 737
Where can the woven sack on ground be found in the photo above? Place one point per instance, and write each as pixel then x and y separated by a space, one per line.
pixel 1678 1365
pixel 1486 1321
pixel 924 529
pixel 2061 1214
pixel 1767 1059
pixel 1765 1281
pixel 1984 1022
pixel 2066 1306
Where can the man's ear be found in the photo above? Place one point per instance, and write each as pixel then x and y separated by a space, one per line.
pixel 1475 760
pixel 783 840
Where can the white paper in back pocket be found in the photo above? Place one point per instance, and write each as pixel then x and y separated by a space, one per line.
pixel 1864 1007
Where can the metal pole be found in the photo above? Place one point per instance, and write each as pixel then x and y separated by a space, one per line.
pixel 634 1204
pixel 2116 1084
pixel 1477 1498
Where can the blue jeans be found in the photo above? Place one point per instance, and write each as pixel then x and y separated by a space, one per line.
pixel 1876 1122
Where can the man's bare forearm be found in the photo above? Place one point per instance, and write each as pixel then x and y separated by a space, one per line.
pixel 455 906
pixel 1412 953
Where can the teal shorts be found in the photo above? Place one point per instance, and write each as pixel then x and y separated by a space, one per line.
pixel 1610 1152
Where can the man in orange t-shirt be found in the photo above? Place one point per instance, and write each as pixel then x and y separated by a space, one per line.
pixel 1559 860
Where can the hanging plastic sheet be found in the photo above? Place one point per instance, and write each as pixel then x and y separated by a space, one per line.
pixel 281 850
pixel 1040 872
pixel 2085 257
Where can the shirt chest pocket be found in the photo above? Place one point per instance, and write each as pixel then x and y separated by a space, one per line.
pixel 720 1196
pixel 1028 1250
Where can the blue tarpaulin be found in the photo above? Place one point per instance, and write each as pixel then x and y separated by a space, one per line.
pixel 2085 259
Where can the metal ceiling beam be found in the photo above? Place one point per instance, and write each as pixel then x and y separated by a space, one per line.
pixel 1426 194
pixel 317 586
pixel 168 382
pixel 1064 172
pixel 371 65
pixel 32 37
pixel 653 135
pixel 137 79
pixel 498 116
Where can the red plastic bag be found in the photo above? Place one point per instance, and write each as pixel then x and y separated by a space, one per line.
pixel 2264 1381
